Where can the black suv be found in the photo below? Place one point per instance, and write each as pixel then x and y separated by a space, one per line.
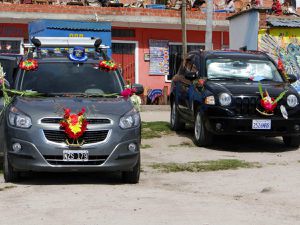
pixel 234 92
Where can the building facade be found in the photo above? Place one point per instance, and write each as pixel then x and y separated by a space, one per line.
pixel 145 42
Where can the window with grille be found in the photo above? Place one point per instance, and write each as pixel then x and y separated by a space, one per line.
pixel 123 33
pixel 10 46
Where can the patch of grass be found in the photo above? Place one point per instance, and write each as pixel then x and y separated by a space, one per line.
pixel 155 129
pixel 183 144
pixel 146 146
pixel 204 166
pixel 7 187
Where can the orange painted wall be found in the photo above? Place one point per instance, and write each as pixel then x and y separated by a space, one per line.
pixel 143 35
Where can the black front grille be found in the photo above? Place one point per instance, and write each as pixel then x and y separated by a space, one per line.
pixel 246 105
pixel 89 137
pixel 58 160
pixel 90 121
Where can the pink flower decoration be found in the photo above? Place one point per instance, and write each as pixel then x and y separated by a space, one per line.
pixel 128 92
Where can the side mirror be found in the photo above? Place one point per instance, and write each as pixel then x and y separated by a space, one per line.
pixel 191 75
pixel 139 88
pixel 292 78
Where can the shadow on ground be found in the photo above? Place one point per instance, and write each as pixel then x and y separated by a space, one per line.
pixel 239 143
pixel 34 178
pixel 70 178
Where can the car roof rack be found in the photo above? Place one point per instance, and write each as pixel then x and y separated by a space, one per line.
pixel 65 42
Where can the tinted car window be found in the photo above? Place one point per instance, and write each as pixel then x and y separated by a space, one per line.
pixel 242 69
pixel 71 78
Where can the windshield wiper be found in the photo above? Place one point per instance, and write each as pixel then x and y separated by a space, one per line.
pixel 112 95
pixel 227 78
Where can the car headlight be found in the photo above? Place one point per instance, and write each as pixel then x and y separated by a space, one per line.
pixel 18 119
pixel 225 99
pixel 292 101
pixel 210 100
pixel 130 119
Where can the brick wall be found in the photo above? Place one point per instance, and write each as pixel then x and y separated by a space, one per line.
pixel 267 3
pixel 104 11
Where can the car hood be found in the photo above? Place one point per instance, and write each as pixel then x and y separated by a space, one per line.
pixel 54 106
pixel 248 88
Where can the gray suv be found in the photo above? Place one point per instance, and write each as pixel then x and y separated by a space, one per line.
pixel 31 135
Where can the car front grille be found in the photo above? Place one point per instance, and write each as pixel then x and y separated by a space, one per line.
pixel 89 121
pixel 246 105
pixel 58 160
pixel 88 137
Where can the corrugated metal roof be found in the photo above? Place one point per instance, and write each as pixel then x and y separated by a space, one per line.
pixel 77 25
pixel 283 22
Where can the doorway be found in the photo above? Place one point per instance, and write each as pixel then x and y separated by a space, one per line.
pixel 123 54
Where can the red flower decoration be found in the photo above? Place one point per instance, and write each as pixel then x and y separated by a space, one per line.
pixel 201 82
pixel 29 64
pixel 107 65
pixel 74 125
pixel 128 92
pixel 268 104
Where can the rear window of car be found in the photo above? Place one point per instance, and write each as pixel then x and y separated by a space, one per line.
pixel 69 77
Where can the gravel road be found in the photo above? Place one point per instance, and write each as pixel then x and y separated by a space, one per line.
pixel 256 196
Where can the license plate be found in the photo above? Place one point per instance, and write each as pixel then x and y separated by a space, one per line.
pixel 75 155
pixel 261 124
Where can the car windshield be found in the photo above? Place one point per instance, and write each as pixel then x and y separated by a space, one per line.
pixel 71 77
pixel 242 69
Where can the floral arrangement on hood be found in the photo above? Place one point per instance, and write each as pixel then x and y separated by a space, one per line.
pixel 74 125
pixel 129 92
pixel 29 64
pixel 268 103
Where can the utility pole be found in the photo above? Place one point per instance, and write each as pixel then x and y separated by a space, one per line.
pixel 209 24
pixel 183 28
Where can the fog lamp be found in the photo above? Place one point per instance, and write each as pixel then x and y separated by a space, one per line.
pixel 16 147
pixel 132 147
pixel 297 127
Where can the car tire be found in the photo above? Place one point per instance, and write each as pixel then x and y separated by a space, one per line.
pixel 175 120
pixel 10 175
pixel 291 141
pixel 202 137
pixel 133 176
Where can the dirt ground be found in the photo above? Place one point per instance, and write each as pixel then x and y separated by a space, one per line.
pixel 255 196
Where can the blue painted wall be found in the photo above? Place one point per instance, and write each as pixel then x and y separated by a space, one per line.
pixel 68 28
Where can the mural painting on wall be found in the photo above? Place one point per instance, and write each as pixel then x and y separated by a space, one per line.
pixel 283 45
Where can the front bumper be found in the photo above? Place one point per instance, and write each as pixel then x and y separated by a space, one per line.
pixel 29 158
pixel 40 154
pixel 243 125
